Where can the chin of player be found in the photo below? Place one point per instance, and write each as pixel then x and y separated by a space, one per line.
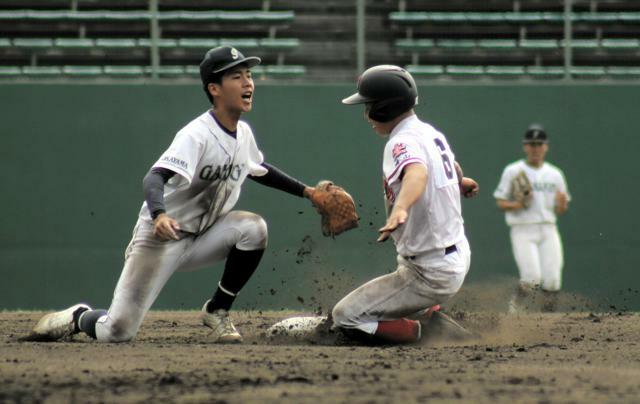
pixel 247 106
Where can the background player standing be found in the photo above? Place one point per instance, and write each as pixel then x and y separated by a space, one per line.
pixel 187 221
pixel 535 239
pixel 422 184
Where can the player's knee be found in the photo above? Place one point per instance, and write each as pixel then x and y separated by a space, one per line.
pixel 255 233
pixel 341 315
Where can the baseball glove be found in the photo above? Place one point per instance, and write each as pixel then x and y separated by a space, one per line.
pixel 521 189
pixel 336 206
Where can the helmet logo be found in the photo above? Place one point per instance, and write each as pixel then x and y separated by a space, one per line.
pixel 234 53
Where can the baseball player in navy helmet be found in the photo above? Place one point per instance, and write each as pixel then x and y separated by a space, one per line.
pixel 422 184
pixel 187 220
pixel 535 239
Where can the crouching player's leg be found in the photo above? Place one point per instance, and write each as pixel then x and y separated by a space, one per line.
pixel 241 237
pixel 149 263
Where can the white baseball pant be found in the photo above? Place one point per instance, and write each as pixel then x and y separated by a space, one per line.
pixel 537 249
pixel 417 284
pixel 150 262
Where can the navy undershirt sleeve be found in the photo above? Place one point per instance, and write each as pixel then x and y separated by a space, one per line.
pixel 153 187
pixel 276 178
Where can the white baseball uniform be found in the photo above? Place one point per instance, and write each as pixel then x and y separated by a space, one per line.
pixel 535 239
pixel 433 252
pixel 211 165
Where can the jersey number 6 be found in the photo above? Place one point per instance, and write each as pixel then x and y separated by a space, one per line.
pixel 448 168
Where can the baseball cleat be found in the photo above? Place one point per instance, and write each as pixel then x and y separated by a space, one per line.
pixel 224 331
pixel 438 326
pixel 443 326
pixel 58 325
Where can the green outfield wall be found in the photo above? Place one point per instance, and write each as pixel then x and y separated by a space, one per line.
pixel 73 158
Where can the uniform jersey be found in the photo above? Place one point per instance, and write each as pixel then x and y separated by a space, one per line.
pixel 545 180
pixel 435 220
pixel 211 164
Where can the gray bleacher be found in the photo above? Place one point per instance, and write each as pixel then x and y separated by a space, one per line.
pixel 518 39
pixel 315 40
pixel 100 38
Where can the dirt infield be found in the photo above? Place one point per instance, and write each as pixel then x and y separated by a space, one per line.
pixel 575 357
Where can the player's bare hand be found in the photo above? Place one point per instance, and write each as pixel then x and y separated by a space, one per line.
pixel 561 202
pixel 517 205
pixel 165 227
pixel 469 187
pixel 398 217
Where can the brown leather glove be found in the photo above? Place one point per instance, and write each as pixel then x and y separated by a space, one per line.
pixel 336 206
pixel 521 189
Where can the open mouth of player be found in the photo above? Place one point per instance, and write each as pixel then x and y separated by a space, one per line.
pixel 247 97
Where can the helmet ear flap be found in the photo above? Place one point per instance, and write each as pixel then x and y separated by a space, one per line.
pixel 389 109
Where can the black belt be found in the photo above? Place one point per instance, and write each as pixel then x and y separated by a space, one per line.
pixel 447 251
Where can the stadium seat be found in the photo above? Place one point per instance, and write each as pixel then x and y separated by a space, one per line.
pixel 587 71
pixel 539 44
pixel 166 70
pixel 124 70
pixel 464 70
pixel 461 44
pixel 10 71
pixel 115 43
pixel 421 70
pixel 42 70
pixel 620 44
pixel 505 71
pixel 632 17
pixel 497 44
pixel 545 72
pixel 582 43
pixel 279 43
pixel 414 44
pixel 33 42
pixel 199 43
pixel 74 43
pixel 82 70
pixel 240 43
pixel 624 71
pixel 162 43
pixel 286 70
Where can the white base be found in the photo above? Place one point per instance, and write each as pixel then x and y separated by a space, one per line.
pixel 295 326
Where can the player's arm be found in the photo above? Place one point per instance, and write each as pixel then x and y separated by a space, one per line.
pixel 165 227
pixel 562 203
pixel 468 186
pixel 414 183
pixel 278 179
pixel 506 205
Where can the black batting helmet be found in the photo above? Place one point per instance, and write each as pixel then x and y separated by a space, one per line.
pixel 389 89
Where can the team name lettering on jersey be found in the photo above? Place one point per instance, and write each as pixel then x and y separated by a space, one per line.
pixel 222 172
pixel 544 186
pixel 176 162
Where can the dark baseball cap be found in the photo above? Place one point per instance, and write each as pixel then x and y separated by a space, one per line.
pixel 535 134
pixel 222 58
